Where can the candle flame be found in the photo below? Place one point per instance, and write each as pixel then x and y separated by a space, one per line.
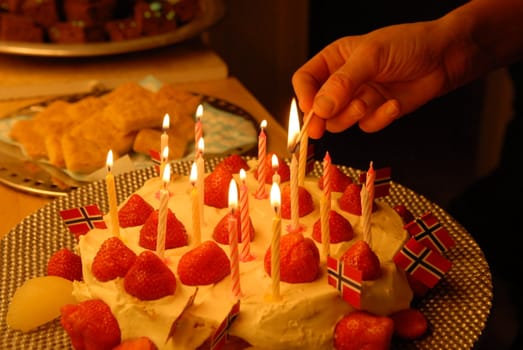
pixel 242 175
pixel 201 145
pixel 263 124
pixel 166 174
pixel 109 161
pixel 166 122
pixel 233 195
pixel 194 174
pixel 165 153
pixel 274 161
pixel 199 112
pixel 275 197
pixel 294 128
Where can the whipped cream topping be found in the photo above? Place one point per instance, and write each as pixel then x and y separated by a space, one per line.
pixel 305 316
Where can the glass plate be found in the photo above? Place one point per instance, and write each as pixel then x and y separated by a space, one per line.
pixel 457 308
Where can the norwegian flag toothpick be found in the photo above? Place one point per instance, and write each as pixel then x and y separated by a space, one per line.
pixel 220 335
pixel 381 182
pixel 430 232
pixel 82 219
pixel 346 279
pixel 424 264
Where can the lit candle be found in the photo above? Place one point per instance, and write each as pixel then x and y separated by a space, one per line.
pixel 275 243
pixel 195 205
pixel 198 128
pixel 162 212
pixel 367 199
pixel 164 139
pixel 111 194
pixel 325 205
pixel 261 193
pixel 293 147
pixel 245 254
pixel 275 166
pixel 164 159
pixel 233 239
pixel 200 165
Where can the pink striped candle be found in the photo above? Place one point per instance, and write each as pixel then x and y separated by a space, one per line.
pixel 245 254
pixel 111 194
pixel 261 192
pixel 195 198
pixel 198 127
pixel 325 205
pixel 275 243
pixel 233 240
pixel 162 213
pixel 367 199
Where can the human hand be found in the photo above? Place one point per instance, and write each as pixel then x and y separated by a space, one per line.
pixel 375 78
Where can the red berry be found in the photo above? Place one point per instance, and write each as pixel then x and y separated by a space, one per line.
pixel 175 233
pixel 409 324
pixel 221 231
pixel 305 204
pixel 299 259
pixel 90 325
pixel 149 278
pixel 404 213
pixel 134 212
pixel 340 229
pixel 362 330
pixel 234 163
pixel 361 257
pixel 350 200
pixel 64 263
pixel 206 264
pixel 339 180
pixel 216 188
pixel 112 260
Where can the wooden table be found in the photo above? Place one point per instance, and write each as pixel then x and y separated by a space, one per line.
pixel 15 205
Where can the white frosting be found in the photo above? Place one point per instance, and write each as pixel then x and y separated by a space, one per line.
pixel 305 316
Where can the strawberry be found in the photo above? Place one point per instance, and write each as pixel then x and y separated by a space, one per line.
pixel 299 259
pixel 339 180
pixel 65 263
pixel 112 260
pixel 90 325
pixel 134 212
pixel 141 343
pixel 350 200
pixel 216 188
pixel 404 213
pixel 304 202
pixel 221 231
pixel 363 330
pixel 149 278
pixel 234 163
pixel 283 169
pixel 409 324
pixel 361 257
pixel 206 264
pixel 175 233
pixel 340 228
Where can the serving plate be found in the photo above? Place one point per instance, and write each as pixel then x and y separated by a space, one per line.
pixel 212 12
pixel 457 308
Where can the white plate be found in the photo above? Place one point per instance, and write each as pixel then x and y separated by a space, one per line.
pixel 212 11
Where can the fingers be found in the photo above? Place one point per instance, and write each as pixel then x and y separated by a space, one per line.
pixel 316 127
pixel 381 117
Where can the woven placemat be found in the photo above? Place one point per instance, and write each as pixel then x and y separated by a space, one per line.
pixel 457 308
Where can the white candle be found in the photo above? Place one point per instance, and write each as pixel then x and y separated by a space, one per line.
pixel 233 239
pixel 164 159
pixel 162 212
pixel 200 165
pixel 293 146
pixel 275 243
pixel 198 127
pixel 195 205
pixel 367 199
pixel 164 139
pixel 111 194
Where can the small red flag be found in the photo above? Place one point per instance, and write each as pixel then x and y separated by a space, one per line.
pixel 381 182
pixel 430 232
pixel 220 335
pixel 346 279
pixel 82 219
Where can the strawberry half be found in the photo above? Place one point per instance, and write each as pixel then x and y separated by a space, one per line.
pixel 339 180
pixel 299 259
pixel 350 200
pixel 305 203
pixel 65 263
pixel 216 188
pixel 112 260
pixel 340 229
pixel 206 264
pixel 90 325
pixel 221 231
pixel 234 163
pixel 361 257
pixel 134 212
pixel 175 233
pixel 409 324
pixel 362 330
pixel 149 278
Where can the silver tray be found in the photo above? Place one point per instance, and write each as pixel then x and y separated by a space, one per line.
pixel 457 308
pixel 212 12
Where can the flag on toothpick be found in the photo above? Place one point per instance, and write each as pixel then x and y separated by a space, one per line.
pixel 82 219
pixel 346 279
pixel 220 335
pixel 422 263
pixel 430 232
pixel 381 182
